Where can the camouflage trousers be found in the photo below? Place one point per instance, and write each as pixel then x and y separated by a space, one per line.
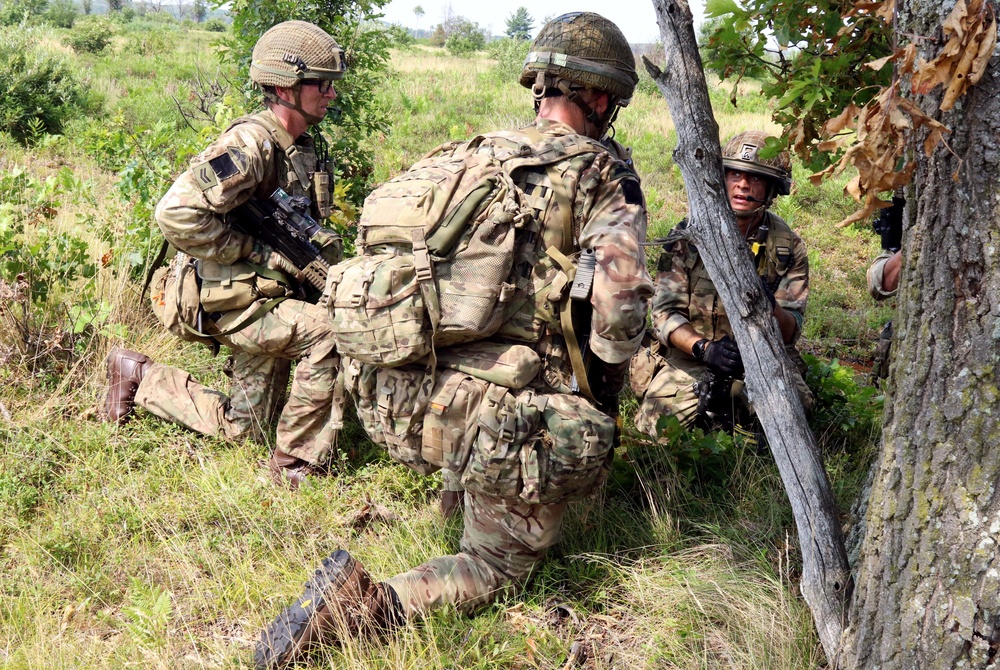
pixel 503 543
pixel 308 424
pixel 672 391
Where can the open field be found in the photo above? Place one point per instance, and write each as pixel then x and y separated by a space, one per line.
pixel 148 546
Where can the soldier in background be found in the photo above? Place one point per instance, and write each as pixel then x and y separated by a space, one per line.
pixel 581 71
pixel 698 376
pixel 883 276
pixel 247 296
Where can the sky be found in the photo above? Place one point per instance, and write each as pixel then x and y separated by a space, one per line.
pixel 636 18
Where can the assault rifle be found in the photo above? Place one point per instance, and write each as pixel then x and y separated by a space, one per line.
pixel 715 403
pixel 283 223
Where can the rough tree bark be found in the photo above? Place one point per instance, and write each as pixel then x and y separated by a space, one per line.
pixel 928 586
pixel 826 580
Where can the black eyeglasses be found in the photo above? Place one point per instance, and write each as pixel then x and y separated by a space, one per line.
pixel 324 85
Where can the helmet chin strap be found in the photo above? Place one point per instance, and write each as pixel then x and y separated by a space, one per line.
pixel 541 89
pixel 296 104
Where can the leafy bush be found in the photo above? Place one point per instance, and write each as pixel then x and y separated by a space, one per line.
pixel 215 26
pixel 14 12
pixel 148 43
pixel 509 54
pixel 366 41
pixel 465 38
pixel 61 13
pixel 40 91
pixel 401 37
pixel 91 35
pixel 846 414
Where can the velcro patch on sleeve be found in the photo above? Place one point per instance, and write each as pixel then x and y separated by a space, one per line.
pixel 632 191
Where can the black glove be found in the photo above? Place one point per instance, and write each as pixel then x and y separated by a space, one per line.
pixel 721 356
pixel 765 288
pixel 889 224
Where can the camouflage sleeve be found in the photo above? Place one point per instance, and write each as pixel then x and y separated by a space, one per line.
pixel 615 228
pixel 793 289
pixel 222 177
pixel 671 304
pixel 875 273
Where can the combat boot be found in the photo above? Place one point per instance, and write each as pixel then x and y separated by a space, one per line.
pixel 287 469
pixel 125 371
pixel 340 602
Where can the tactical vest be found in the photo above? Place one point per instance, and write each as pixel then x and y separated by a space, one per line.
pixel 772 251
pixel 298 168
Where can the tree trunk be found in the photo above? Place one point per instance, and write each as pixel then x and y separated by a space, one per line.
pixel 826 580
pixel 928 586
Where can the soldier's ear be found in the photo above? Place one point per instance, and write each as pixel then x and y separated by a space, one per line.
pixel 286 94
pixel 600 104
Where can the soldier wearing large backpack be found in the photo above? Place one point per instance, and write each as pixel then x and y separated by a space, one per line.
pixel 693 370
pixel 224 287
pixel 510 415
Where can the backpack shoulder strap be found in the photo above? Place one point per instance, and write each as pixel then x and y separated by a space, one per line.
pixel 282 138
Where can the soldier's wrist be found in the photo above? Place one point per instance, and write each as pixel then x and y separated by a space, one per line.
pixel 699 347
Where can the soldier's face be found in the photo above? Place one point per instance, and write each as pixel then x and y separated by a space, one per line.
pixel 314 97
pixel 747 192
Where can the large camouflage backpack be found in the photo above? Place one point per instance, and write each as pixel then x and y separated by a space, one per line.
pixel 436 250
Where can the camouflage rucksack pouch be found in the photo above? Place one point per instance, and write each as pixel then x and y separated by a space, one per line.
pixel 226 288
pixel 452 419
pixel 645 364
pixel 506 420
pixel 446 229
pixel 176 297
pixel 571 456
pixel 377 310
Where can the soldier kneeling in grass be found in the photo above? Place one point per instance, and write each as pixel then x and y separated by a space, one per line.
pixel 525 420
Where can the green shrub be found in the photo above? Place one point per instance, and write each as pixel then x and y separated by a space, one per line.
pixel 148 43
pixel 509 55
pixel 465 38
pixel 401 37
pixel 91 35
pixel 40 91
pixel 14 12
pixel 215 26
pixel 61 13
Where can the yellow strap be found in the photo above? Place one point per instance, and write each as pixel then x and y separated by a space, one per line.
pixel 566 321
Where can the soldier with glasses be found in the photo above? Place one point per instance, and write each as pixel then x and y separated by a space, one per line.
pixel 224 287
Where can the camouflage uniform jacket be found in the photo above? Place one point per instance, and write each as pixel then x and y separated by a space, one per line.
pixel 686 295
pixel 245 161
pixel 875 273
pixel 599 201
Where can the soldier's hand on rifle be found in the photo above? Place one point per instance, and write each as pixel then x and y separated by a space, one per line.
pixel 330 246
pixel 721 356
pixel 276 261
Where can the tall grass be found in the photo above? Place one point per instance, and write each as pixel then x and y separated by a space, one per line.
pixel 149 546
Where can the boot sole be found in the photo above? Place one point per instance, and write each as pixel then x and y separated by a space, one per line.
pixel 283 639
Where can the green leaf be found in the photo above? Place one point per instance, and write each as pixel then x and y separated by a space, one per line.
pixel 714 8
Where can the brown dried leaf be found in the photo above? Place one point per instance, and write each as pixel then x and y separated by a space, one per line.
pixel 886 11
pixel 846 119
pixel 880 63
pixel 985 52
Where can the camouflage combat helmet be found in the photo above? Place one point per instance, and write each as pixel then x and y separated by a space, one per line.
pixel 585 48
pixel 295 51
pixel 740 153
